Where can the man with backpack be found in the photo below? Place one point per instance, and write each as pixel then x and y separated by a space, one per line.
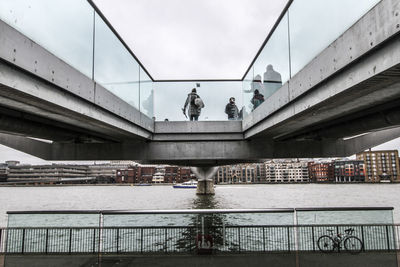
pixel 232 110
pixel 257 99
pixel 195 105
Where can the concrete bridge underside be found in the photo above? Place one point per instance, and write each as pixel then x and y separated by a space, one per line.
pixel 347 99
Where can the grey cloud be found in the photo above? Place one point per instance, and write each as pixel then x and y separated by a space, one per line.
pixel 190 39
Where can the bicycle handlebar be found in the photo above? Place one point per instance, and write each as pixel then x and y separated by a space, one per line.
pixel 349 231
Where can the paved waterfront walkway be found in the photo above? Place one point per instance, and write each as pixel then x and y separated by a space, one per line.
pixel 381 259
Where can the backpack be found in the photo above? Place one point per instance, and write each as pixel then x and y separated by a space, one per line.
pixel 198 102
pixel 192 100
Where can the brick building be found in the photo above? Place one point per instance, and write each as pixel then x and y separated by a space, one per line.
pixel 349 171
pixel 154 174
pixel 321 171
pixel 380 166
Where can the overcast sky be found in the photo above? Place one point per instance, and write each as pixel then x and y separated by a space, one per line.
pixel 192 39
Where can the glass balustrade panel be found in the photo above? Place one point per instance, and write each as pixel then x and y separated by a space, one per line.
pixel 315 24
pixel 170 98
pixel 63 27
pixel 114 67
pixel 271 68
pixel 146 94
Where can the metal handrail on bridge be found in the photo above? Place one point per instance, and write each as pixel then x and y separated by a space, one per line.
pixel 189 239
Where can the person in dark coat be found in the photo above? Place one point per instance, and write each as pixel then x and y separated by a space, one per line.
pixel 232 110
pixel 193 110
pixel 257 99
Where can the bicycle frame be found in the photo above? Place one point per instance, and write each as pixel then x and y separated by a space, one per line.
pixel 331 241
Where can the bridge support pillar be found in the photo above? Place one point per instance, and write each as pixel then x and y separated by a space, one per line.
pixel 205 179
pixel 205 187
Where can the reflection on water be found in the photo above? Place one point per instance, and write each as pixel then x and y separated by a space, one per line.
pixel 207 226
pixel 206 202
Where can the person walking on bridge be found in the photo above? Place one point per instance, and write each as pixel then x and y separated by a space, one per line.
pixel 195 104
pixel 232 110
pixel 257 99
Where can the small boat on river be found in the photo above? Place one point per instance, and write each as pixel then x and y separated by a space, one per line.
pixel 188 184
pixel 143 184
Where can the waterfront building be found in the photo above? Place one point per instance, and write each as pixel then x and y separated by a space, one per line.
pixel 241 173
pixel 175 174
pixel 49 173
pixel 224 175
pixel 349 171
pixel 145 174
pixel 126 175
pixel 106 172
pixel 158 176
pixel 3 172
pixel 380 166
pixel 62 173
pixel 286 171
pixel 259 173
pixel 185 174
pixel 248 173
pixel 154 174
pixel 171 174
pixel 321 171
pixel 12 162
pixel 277 171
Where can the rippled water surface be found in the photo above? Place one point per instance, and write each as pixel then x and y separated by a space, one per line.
pixel 226 197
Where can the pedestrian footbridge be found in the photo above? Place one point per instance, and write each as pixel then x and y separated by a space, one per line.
pixel 335 96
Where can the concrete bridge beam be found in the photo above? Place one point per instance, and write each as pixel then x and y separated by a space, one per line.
pixel 186 153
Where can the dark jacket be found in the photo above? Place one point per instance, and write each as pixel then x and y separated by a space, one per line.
pixel 257 100
pixel 193 109
pixel 232 110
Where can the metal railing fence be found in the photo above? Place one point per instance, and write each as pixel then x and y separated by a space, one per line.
pixel 188 239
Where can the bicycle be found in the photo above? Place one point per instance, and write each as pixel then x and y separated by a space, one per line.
pixel 328 243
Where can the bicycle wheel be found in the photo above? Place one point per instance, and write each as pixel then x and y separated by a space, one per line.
pixel 326 243
pixel 353 244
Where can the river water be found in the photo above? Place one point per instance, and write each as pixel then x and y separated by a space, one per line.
pixel 226 197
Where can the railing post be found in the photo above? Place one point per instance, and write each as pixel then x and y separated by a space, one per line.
pixel 288 238
pixel 1 241
pixel 223 235
pixel 47 240
pixel 239 238
pixel 387 238
pixel 263 238
pixel 362 237
pixel 70 241
pixel 23 241
pixel 117 240
pixel 165 240
pixel 141 240
pixel 337 232
pixel 94 241
pixel 313 238
pixel 396 237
